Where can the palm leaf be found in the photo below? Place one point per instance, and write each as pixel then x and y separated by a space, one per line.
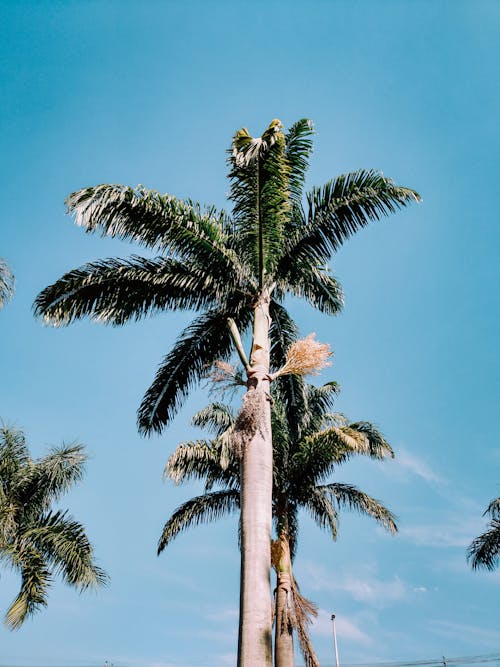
pixel 339 209
pixel 216 418
pixel 350 497
pixel 116 290
pixel 484 551
pixel 64 543
pixel 201 509
pixel 322 511
pixel 6 283
pixel 35 581
pixel 204 341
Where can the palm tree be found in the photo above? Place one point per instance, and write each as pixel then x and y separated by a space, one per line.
pixel 6 283
pixel 235 271
pixel 309 443
pixel 484 551
pixel 35 540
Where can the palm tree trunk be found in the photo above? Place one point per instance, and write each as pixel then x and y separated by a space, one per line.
pixel 255 629
pixel 283 633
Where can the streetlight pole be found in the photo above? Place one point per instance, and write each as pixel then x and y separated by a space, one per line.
pixel 335 642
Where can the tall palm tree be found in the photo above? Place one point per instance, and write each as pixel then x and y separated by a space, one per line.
pixel 6 283
pixel 35 540
pixel 309 444
pixel 484 551
pixel 235 271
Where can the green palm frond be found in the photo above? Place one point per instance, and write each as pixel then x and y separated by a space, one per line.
pixel 14 454
pixel 34 540
pixel 51 476
pixel 484 551
pixel 6 283
pixel 317 286
pixel 259 191
pixel 323 512
pixel 63 543
pixel 35 581
pixel 203 342
pixel 216 418
pixel 196 459
pixel 201 509
pixel 378 447
pixel 493 509
pixel 299 147
pixel 339 209
pixel 350 497
pixel 116 291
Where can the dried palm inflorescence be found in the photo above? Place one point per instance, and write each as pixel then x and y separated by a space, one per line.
pixel 306 357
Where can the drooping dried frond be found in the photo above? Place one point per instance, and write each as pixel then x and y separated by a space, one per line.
pixel 305 611
pixel 306 357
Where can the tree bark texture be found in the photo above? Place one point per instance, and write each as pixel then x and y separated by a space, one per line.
pixel 283 642
pixel 255 636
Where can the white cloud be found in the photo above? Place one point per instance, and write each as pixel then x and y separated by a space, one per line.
pixel 456 532
pixel 363 585
pixel 405 463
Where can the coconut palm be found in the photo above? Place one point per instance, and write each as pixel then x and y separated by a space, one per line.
pixel 35 540
pixel 484 551
pixel 235 271
pixel 6 282
pixel 309 444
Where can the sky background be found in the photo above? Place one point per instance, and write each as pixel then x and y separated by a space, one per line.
pixel 151 92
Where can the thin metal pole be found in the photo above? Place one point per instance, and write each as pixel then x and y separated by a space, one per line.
pixel 335 642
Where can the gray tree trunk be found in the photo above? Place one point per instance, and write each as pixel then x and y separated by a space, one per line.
pixel 255 636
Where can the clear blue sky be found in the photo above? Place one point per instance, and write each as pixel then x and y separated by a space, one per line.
pixel 151 92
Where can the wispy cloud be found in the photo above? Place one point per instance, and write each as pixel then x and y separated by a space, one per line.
pixel 363 585
pixel 406 464
pixel 346 628
pixel 479 635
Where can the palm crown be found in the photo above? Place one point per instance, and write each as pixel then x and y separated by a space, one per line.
pixel 276 242
pixel 35 540
pixel 309 443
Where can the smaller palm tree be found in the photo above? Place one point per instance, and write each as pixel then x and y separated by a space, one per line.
pixel 309 443
pixel 35 540
pixel 484 551
pixel 6 283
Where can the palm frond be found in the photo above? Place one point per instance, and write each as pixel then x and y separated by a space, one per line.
pixel 305 611
pixel 35 581
pixel 201 509
pixel 378 447
pixel 204 341
pixel 259 190
pixel 484 551
pixel 197 459
pixel 322 511
pixel 118 290
pixel 156 221
pixel 298 149
pixel 216 418
pixel 339 209
pixel 350 497
pixel 317 285
pixel 14 454
pixel 6 283
pixel 64 543
pixel 51 476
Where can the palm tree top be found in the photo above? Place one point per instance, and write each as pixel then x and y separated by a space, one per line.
pixel 277 240
pixel 36 540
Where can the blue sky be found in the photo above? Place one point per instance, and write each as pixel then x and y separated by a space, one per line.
pixel 151 92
